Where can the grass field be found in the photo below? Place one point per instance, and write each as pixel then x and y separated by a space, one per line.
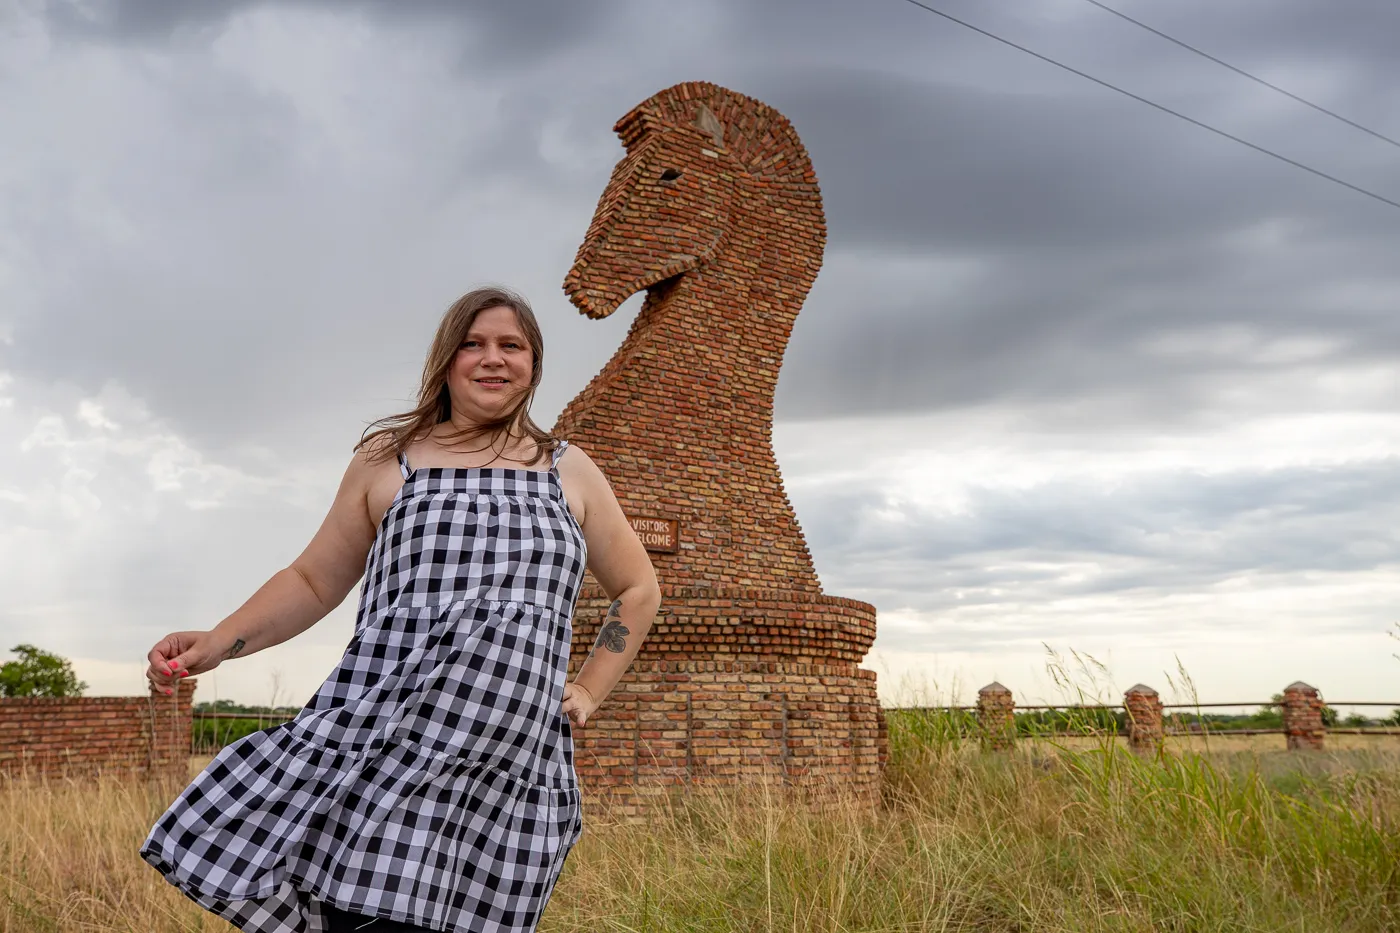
pixel 1081 836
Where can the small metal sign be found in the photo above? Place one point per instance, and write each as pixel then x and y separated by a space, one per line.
pixel 658 534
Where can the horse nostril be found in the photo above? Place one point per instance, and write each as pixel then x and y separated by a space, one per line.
pixel 670 174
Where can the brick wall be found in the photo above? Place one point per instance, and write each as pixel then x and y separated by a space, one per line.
pixel 714 211
pixel 82 736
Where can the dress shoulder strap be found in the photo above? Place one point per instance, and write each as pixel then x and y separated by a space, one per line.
pixel 558 452
pixel 403 465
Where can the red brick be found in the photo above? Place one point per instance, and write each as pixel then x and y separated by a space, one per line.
pixel 80 736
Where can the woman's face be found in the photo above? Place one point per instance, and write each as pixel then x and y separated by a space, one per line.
pixel 491 370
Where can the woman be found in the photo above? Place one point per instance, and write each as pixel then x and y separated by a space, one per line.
pixel 429 782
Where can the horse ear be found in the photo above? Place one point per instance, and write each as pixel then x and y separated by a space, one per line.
pixel 707 122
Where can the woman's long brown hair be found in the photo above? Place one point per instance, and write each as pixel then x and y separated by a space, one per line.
pixel 391 436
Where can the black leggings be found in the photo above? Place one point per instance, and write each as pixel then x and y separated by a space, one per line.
pixel 345 921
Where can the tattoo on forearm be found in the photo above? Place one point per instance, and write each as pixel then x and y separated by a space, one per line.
pixel 238 644
pixel 613 634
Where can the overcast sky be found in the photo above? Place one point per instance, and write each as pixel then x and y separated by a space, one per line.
pixel 1076 374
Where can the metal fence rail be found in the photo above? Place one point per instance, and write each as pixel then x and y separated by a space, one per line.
pixel 1008 728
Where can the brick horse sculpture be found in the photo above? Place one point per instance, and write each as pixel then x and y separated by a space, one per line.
pixel 750 674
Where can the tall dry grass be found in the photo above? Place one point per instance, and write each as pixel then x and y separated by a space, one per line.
pixel 68 859
pixel 1048 838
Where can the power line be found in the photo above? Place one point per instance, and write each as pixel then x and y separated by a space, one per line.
pixel 1240 71
pixel 1180 116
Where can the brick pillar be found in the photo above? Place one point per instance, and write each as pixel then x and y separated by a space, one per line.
pixel 1302 717
pixel 171 725
pixel 1144 719
pixel 996 714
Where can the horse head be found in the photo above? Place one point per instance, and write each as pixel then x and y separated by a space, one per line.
pixel 666 209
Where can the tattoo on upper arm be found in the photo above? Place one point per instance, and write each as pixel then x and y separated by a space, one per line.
pixel 613 634
pixel 238 644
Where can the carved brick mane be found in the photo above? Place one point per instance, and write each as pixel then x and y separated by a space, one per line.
pixel 715 211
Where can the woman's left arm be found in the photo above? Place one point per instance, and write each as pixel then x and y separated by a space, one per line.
pixel 620 565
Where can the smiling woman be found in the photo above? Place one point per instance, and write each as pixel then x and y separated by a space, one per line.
pixel 429 783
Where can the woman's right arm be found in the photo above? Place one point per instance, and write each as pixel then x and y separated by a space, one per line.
pixel 294 599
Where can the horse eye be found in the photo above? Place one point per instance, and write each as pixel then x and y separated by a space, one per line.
pixel 670 174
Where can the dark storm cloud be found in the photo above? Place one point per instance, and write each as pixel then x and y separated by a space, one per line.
pixel 1096 225
pixel 495 33
pixel 1044 333
pixel 265 258
pixel 969 160
pixel 966 160
pixel 912 165
pixel 139 20
pixel 1265 34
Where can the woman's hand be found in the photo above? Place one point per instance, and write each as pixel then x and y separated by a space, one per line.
pixel 579 704
pixel 181 654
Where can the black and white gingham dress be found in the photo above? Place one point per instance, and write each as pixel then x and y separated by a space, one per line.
pixel 430 779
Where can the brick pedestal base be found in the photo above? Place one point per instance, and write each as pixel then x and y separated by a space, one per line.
pixel 735 688
pixel 805 730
